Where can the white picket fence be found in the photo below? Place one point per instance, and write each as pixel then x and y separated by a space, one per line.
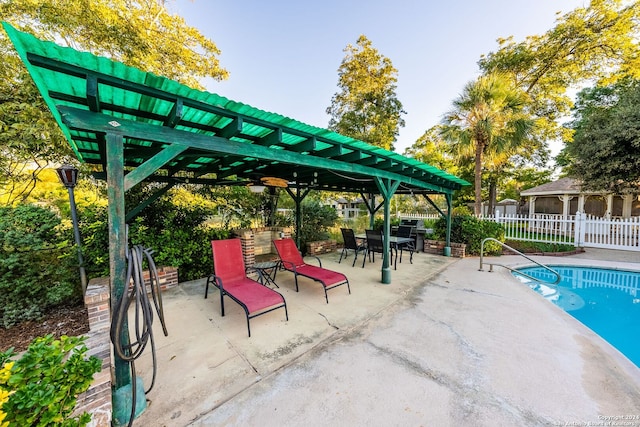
pixel 538 228
pixel 580 230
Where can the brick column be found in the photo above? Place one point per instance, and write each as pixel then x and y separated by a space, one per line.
pixel 248 246
pixel 97 399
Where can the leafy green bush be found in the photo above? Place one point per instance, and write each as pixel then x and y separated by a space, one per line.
pixel 378 222
pixel 538 247
pixel 38 268
pixel 177 234
pixel 316 221
pixel 94 228
pixel 44 383
pixel 471 231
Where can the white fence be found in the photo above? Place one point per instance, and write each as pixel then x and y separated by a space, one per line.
pixel 615 233
pixel 580 230
pixel 539 228
pixel 418 216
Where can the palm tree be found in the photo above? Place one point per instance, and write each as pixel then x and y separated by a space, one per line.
pixel 488 119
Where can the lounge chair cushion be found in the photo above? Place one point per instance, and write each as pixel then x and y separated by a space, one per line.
pixel 292 260
pixel 327 277
pixel 255 296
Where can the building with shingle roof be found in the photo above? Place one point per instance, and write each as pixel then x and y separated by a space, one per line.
pixel 566 197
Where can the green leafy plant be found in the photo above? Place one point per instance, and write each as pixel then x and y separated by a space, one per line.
pixel 42 386
pixel 179 237
pixel 38 268
pixel 315 224
pixel 538 247
pixel 177 233
pixel 471 231
pixel 378 222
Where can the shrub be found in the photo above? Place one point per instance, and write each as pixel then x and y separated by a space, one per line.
pixel 378 222
pixel 316 221
pixel 539 247
pixel 41 388
pixel 38 268
pixel 94 228
pixel 471 231
pixel 177 235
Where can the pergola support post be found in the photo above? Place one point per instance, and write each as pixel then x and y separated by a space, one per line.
pixel 117 244
pixel 447 216
pixel 387 188
pixel 447 245
pixel 370 203
pixel 298 198
pixel 123 393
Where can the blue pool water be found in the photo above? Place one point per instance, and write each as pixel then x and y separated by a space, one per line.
pixel 605 300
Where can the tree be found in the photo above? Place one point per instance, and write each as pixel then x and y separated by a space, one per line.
pixel 488 119
pixel 605 152
pixel 431 149
pixel 523 178
pixel 366 107
pixel 594 43
pixel 139 33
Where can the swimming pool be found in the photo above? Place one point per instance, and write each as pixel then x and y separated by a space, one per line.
pixel 605 300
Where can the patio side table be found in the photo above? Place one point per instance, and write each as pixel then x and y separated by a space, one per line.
pixel 267 271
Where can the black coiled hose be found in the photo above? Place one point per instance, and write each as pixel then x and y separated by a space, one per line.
pixel 143 321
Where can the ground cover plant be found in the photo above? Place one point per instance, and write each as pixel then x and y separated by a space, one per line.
pixel 40 387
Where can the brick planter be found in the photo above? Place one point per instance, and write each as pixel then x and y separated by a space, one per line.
pixel 436 247
pixel 321 247
pixel 258 241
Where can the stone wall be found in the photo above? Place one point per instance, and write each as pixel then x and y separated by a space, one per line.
pixel 437 247
pixel 97 399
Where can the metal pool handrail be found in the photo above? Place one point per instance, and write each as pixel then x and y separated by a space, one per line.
pixel 558 278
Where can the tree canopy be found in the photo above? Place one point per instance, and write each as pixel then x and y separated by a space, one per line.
pixel 433 150
pixel 594 43
pixel 139 33
pixel 366 107
pixel 605 151
pixel 487 121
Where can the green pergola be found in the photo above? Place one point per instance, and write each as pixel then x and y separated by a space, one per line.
pixel 136 127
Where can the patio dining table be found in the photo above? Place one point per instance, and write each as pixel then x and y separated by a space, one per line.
pixel 394 242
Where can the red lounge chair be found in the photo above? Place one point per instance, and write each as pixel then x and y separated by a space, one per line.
pixel 230 278
pixel 292 261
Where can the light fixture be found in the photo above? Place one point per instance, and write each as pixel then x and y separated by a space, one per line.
pixel 254 188
pixel 68 175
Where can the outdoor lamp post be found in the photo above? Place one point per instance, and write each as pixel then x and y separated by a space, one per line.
pixel 68 175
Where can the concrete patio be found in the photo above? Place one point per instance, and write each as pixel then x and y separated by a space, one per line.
pixel 443 344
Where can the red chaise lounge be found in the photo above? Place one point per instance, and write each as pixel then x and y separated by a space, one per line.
pixel 292 260
pixel 229 276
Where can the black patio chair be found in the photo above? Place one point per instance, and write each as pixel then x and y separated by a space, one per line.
pixel 374 244
pixel 407 232
pixel 351 243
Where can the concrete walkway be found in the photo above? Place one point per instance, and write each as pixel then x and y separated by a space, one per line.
pixel 443 345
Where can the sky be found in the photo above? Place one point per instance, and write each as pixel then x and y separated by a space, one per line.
pixel 283 55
